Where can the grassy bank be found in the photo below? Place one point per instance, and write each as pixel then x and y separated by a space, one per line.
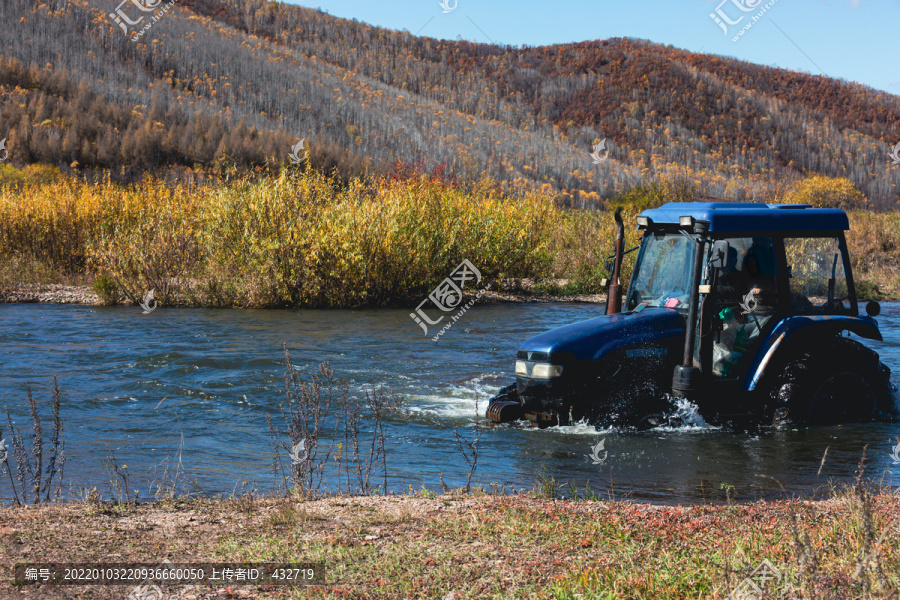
pixel 480 546
pixel 301 239
pixel 292 240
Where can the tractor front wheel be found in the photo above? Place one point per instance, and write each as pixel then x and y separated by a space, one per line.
pixel 505 407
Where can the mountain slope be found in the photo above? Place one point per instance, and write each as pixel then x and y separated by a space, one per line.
pixel 240 81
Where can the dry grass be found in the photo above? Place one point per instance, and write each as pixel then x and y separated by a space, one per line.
pixel 482 546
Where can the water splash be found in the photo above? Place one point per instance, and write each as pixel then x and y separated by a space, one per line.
pixel 582 427
pixel 458 401
pixel 685 416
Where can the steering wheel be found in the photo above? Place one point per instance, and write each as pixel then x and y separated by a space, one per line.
pixel 836 305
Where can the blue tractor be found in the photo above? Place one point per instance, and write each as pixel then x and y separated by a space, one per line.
pixel 740 308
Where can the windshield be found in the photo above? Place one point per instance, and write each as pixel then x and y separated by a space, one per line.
pixel 663 271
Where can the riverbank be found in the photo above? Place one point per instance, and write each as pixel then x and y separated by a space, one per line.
pixel 306 240
pixel 456 546
pixel 82 294
pixel 85 295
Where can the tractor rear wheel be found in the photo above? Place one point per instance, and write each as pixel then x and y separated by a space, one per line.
pixel 841 381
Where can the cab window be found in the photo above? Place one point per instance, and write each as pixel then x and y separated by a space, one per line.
pixel 750 269
pixel 746 298
pixel 818 282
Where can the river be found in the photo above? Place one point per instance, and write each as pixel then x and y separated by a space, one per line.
pixel 201 382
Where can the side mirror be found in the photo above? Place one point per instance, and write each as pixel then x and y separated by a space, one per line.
pixel 873 309
pixel 719 257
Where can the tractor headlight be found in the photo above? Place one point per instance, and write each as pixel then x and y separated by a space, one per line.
pixel 521 368
pixel 545 371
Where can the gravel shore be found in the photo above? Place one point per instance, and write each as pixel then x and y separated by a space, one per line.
pixel 74 294
pixel 50 294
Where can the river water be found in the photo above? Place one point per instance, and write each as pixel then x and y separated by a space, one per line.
pixel 203 381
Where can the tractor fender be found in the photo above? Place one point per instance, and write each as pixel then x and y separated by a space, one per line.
pixel 866 327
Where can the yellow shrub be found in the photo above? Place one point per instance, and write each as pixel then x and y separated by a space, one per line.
pixel 296 239
pixel 826 192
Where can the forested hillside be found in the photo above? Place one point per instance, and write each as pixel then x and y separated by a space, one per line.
pixel 216 83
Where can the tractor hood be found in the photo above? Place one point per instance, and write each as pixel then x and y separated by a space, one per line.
pixel 598 337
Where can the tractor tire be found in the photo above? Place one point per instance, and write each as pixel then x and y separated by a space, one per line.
pixel 840 381
pixel 505 406
pixel 507 394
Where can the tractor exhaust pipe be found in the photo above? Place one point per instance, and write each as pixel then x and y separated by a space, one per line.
pixel 614 291
pixel 686 377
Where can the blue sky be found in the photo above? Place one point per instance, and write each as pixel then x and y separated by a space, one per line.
pixel 857 40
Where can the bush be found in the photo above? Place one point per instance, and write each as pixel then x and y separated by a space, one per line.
pixel 297 239
pixel 867 290
pixel 30 175
pixel 107 289
pixel 826 192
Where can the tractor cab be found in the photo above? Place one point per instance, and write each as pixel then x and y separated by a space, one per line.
pixel 738 307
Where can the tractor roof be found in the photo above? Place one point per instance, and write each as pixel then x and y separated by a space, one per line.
pixel 752 216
